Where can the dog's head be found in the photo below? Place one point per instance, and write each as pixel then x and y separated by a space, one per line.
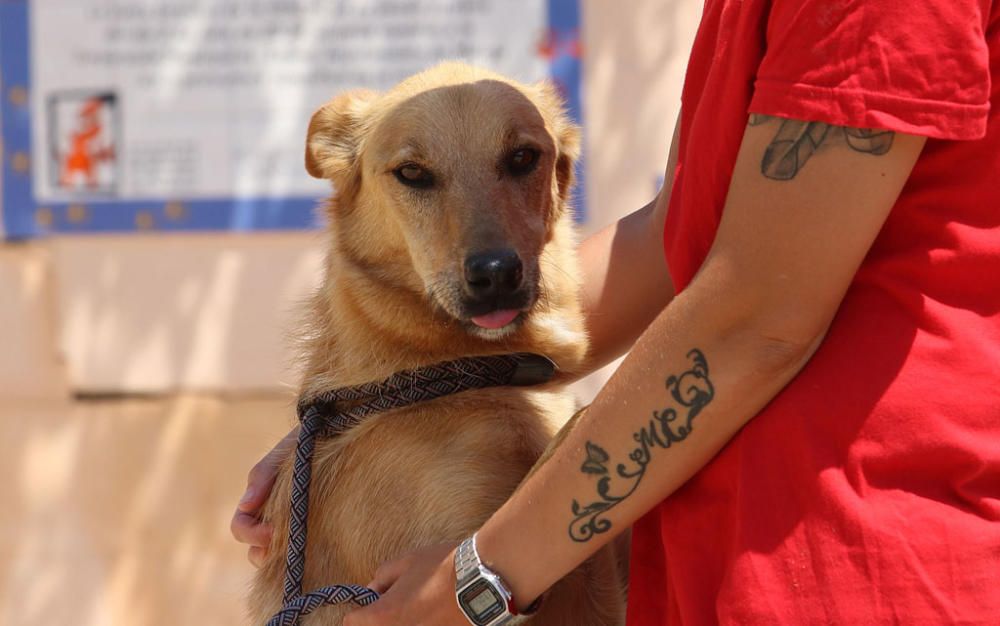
pixel 451 184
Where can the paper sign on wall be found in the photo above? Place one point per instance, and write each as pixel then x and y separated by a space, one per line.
pixel 191 115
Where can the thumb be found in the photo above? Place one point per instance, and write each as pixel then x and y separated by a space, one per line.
pixel 261 478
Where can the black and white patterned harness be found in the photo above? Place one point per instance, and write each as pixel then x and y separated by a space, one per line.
pixel 334 412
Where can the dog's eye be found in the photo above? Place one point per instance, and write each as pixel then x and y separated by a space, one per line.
pixel 522 161
pixel 413 175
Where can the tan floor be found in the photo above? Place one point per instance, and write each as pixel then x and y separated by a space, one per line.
pixel 117 512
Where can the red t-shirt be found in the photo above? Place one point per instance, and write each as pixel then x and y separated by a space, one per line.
pixel 868 490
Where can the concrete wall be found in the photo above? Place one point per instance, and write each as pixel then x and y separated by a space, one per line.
pixel 116 513
pixel 155 313
pixel 30 364
pixel 635 58
pixel 198 312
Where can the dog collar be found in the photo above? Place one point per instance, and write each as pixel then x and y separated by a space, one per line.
pixel 345 407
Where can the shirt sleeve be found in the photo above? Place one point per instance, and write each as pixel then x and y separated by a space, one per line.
pixel 915 67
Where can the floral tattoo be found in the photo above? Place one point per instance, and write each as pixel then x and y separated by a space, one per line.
pixel 691 391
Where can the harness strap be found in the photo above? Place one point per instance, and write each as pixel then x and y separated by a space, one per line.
pixel 323 415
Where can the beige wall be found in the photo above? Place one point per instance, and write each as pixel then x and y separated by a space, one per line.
pixel 635 58
pixel 154 313
pixel 117 513
pixel 30 365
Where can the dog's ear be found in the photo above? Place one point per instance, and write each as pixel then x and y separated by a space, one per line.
pixel 567 137
pixel 335 134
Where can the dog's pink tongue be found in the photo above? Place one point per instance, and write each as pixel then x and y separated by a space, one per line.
pixel 496 319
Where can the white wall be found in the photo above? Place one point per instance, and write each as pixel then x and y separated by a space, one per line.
pixel 154 313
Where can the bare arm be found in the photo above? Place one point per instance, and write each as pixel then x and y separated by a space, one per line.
pixel 626 282
pixel 805 202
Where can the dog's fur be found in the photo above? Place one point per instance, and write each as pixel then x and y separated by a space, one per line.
pixel 392 300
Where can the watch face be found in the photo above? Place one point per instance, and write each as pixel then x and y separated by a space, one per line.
pixel 481 602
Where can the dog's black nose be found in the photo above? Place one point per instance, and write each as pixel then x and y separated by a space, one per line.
pixel 493 273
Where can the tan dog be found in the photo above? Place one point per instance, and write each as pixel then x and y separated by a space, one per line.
pixel 449 237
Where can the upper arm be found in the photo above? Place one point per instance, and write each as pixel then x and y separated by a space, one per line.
pixel 805 203
pixel 626 279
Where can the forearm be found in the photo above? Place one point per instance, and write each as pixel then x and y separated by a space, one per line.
pixel 639 438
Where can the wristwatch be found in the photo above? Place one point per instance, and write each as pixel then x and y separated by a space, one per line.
pixel 482 596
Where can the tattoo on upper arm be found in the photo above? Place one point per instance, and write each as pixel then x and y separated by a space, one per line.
pixel 869 140
pixel 689 391
pixel 796 141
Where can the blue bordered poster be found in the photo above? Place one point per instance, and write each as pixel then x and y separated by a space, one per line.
pixel 125 115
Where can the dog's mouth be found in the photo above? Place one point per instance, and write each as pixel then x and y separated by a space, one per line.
pixel 491 319
pixel 497 319
pixel 498 316
pixel 488 313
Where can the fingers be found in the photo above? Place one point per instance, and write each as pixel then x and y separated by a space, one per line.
pixel 382 612
pixel 260 480
pixel 420 583
pixel 379 612
pixel 387 574
pixel 257 555
pixel 250 530
pixel 246 526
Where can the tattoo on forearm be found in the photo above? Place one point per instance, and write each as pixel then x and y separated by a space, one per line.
pixel 796 141
pixel 691 391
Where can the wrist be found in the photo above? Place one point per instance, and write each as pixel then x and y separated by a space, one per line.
pixel 482 595
pixel 517 576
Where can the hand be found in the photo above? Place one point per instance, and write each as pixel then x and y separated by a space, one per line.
pixel 246 525
pixel 417 590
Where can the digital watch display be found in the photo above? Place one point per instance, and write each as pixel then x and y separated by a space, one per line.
pixel 481 603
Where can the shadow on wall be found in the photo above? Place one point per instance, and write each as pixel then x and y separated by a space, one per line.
pixel 28 363
pixel 205 312
pixel 118 512
pixel 147 313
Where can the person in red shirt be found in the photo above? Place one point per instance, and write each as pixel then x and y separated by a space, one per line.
pixel 808 421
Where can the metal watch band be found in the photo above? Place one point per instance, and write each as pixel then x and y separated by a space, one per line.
pixel 467 560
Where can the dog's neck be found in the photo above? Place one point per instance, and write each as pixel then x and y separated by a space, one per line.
pixel 363 329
